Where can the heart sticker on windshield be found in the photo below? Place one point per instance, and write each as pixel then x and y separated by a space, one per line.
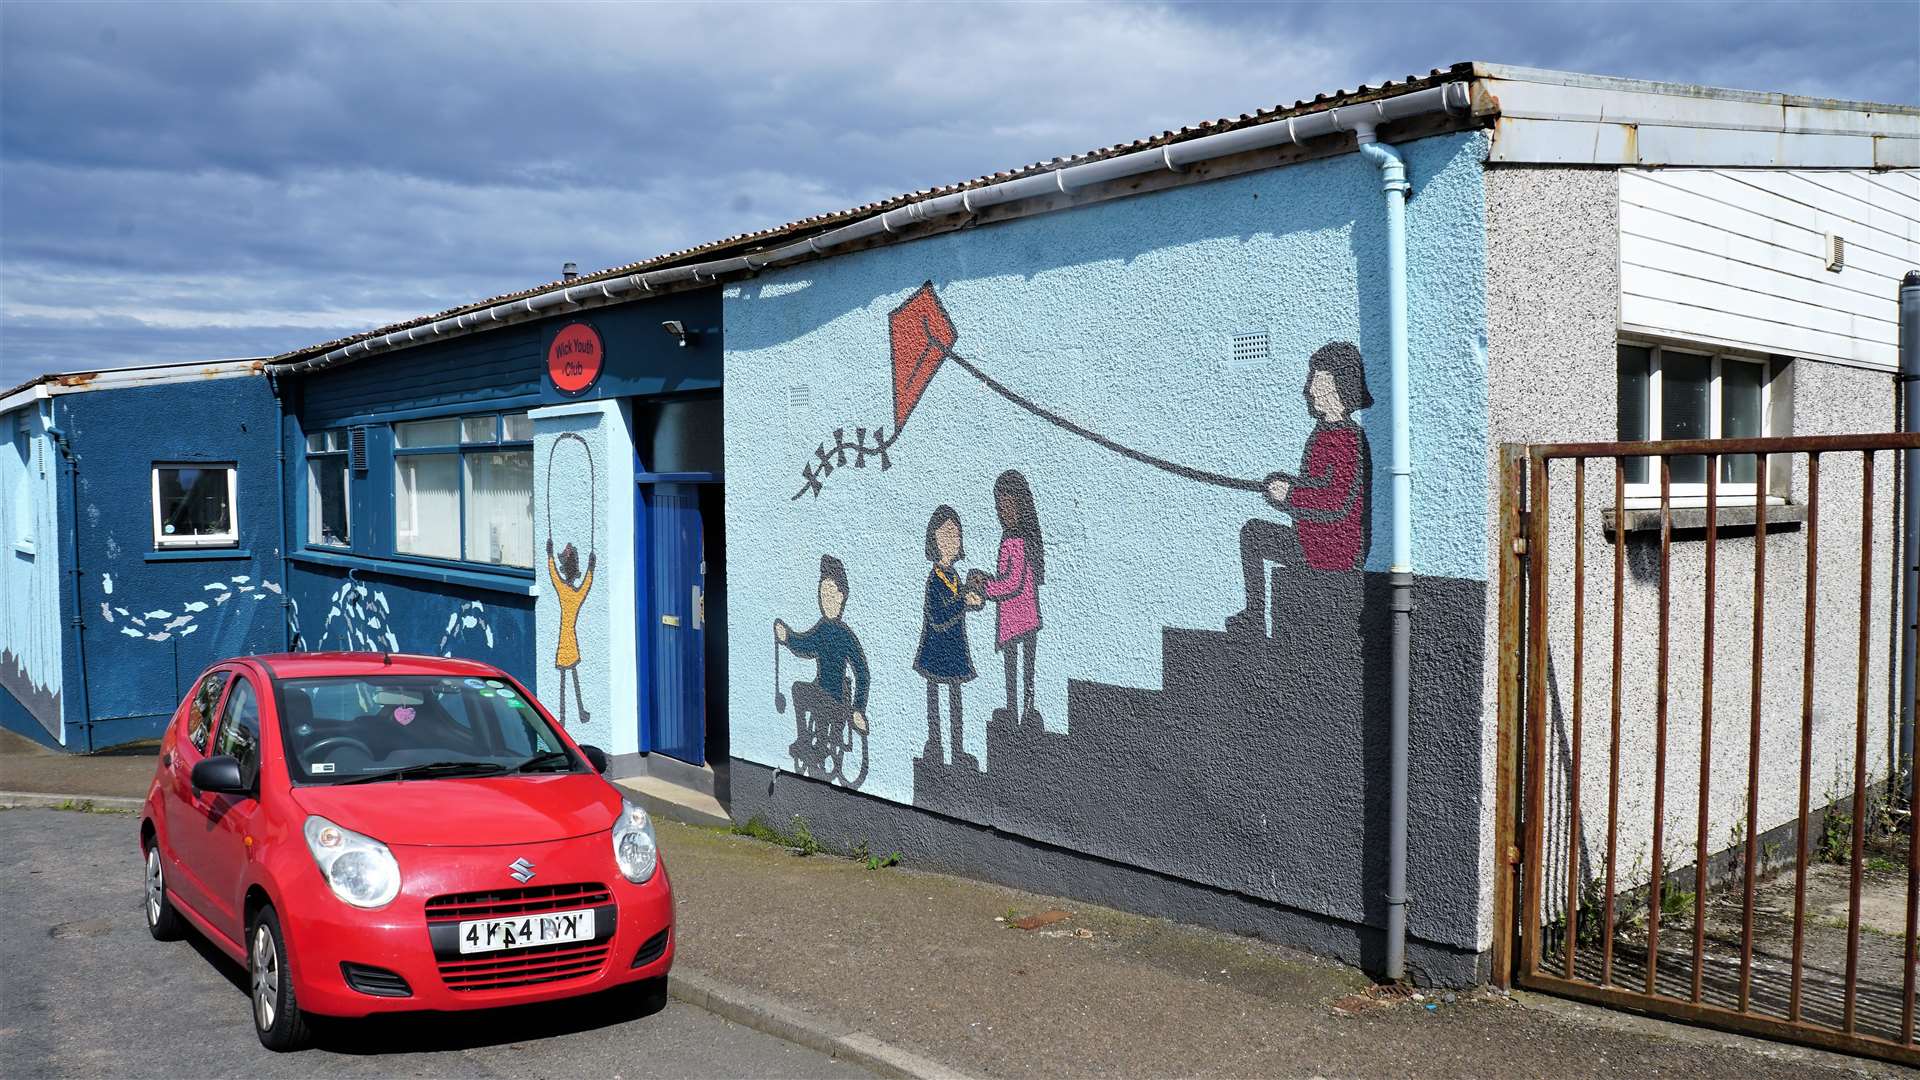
pixel 403 715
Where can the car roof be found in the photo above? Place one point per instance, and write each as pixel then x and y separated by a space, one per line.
pixel 308 665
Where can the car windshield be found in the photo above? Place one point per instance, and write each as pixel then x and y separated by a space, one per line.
pixel 368 727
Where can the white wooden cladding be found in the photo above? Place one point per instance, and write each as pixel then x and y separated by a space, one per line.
pixel 1737 257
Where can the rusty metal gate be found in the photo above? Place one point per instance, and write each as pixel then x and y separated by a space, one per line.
pixel 1752 941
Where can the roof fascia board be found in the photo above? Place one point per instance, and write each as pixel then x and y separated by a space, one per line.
pixel 24 396
pixel 81 382
pixel 1550 77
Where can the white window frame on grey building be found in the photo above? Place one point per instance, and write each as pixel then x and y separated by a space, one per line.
pixel 229 537
pixel 1718 376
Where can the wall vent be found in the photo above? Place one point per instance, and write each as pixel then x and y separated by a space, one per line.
pixel 357 448
pixel 1250 347
pixel 1836 251
pixel 799 404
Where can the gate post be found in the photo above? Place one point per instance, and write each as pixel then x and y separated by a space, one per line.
pixel 1511 622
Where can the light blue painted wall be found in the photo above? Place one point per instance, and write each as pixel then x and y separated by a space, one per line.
pixel 583 495
pixel 1120 316
pixel 31 550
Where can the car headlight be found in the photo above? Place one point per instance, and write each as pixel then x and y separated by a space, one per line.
pixel 634 847
pixel 359 869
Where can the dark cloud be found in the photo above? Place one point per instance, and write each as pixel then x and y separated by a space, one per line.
pixel 184 181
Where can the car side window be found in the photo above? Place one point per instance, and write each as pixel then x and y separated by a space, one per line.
pixel 200 712
pixel 239 735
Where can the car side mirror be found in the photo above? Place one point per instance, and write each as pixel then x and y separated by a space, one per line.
pixel 219 774
pixel 596 757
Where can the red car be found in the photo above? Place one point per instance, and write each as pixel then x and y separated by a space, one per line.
pixel 375 833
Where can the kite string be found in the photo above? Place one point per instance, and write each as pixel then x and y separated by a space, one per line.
pixel 1184 471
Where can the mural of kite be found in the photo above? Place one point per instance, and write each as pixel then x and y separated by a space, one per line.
pixel 923 338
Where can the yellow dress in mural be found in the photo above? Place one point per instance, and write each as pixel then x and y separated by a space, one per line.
pixel 567 655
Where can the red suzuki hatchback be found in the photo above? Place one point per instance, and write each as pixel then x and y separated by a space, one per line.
pixel 376 833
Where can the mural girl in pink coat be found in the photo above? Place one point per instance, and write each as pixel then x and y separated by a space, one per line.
pixel 1015 590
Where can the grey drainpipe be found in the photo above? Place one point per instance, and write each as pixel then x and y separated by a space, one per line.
pixel 72 461
pixel 1910 527
pixel 1393 182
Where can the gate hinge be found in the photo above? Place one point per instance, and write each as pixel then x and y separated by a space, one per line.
pixel 1520 546
pixel 1513 855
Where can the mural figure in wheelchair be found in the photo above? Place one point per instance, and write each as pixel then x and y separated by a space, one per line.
pixel 829 712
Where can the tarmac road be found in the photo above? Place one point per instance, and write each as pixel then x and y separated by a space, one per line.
pixel 84 991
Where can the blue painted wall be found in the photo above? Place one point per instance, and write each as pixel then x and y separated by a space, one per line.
pixel 338 609
pixel 31 550
pixel 1161 741
pixel 151 621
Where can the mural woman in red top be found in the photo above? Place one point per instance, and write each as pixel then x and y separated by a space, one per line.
pixel 1329 500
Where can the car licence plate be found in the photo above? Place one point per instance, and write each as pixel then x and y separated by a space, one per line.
pixel 525 931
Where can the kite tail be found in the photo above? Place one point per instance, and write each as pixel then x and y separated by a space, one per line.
pixel 828 458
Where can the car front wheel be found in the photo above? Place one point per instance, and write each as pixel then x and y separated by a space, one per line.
pixel 163 922
pixel 276 1015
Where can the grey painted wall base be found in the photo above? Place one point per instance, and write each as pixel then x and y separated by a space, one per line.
pixel 841 818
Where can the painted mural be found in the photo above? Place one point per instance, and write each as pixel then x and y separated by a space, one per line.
pixel 31 627
pixel 570 582
pixel 829 710
pixel 181 619
pixel 1181 575
pixel 359 618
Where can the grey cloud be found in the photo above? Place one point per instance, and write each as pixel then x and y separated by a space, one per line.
pixel 254 178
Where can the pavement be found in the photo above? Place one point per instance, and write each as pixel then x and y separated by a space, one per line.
pixel 895 970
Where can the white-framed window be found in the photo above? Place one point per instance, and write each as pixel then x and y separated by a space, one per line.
pixel 195 505
pixel 22 494
pixel 1671 392
pixel 463 488
pixel 329 517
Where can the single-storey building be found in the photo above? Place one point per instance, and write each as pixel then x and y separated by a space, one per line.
pixel 141 523
pixel 1085 517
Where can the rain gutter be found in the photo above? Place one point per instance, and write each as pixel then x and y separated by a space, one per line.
pixel 1452 97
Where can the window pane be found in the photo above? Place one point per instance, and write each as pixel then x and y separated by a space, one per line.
pixel 427 433
pixel 476 429
pixel 200 713
pixel 327 501
pixel 500 508
pixel 1740 415
pixel 519 427
pixel 1632 409
pixel 240 728
pixel 317 443
pixel 1685 380
pixel 426 504
pixel 193 502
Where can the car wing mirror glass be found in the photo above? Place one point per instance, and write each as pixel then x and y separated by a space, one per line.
pixel 219 774
pixel 596 757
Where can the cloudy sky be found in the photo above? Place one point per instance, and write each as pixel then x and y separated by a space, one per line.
pixel 184 182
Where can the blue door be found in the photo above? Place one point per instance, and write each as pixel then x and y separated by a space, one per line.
pixel 676 624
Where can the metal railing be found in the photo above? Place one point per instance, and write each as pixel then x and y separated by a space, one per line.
pixel 1704 983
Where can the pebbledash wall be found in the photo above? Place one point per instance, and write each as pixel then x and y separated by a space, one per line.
pixel 31 545
pixel 1177 762
pixel 1554 290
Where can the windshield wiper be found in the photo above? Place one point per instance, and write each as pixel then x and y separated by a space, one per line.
pixel 551 757
pixel 428 771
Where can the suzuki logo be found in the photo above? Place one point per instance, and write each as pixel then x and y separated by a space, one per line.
pixel 521 870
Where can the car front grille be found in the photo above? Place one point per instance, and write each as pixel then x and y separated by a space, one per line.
pixel 501 903
pixel 524 967
pixel 507 968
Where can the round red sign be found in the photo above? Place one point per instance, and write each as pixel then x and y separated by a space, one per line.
pixel 575 358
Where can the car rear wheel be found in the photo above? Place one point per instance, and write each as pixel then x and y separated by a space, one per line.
pixel 277 1018
pixel 163 922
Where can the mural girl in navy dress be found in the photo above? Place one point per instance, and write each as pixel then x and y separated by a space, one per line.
pixel 943 656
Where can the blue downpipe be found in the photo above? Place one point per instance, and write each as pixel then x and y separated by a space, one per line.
pixel 1393 183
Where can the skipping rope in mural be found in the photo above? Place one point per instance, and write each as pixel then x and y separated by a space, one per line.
pixel 570 585
pixel 923 337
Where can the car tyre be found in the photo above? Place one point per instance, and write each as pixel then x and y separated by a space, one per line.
pixel 277 1018
pixel 163 922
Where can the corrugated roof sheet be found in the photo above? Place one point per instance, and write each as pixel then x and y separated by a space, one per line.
pixel 781 234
